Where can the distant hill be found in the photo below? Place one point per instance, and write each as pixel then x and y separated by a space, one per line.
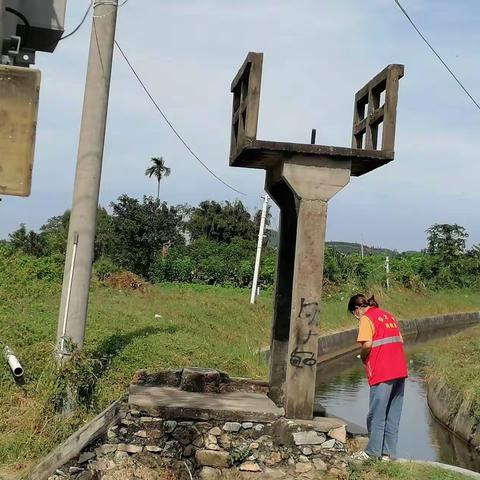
pixel 343 247
pixel 348 247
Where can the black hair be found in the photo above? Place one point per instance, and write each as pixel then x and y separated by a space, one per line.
pixel 362 301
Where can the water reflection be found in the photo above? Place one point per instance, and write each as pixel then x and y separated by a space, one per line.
pixel 343 390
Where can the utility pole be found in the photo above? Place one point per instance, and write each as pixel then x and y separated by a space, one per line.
pixel 387 270
pixel 259 248
pixel 361 247
pixel 83 219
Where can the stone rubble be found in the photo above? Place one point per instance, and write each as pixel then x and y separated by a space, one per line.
pixel 145 446
pixel 232 427
pixel 283 449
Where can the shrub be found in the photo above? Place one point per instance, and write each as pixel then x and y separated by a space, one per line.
pixel 20 269
pixel 213 263
pixel 104 268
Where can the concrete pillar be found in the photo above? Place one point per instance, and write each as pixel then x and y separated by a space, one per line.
pixel 311 183
pixel 283 197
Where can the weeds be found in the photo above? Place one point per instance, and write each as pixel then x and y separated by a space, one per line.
pixel 76 380
pixel 238 455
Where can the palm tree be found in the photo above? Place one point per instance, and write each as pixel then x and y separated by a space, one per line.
pixel 159 170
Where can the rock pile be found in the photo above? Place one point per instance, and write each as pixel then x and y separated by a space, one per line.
pixel 154 448
pixel 164 433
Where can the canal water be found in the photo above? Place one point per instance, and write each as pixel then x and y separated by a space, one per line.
pixel 343 390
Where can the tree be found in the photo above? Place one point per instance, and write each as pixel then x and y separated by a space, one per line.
pixel 258 217
pixel 103 235
pixel 139 231
pixel 158 170
pixel 18 238
pixel 30 243
pixel 446 240
pixel 221 222
pixel 55 234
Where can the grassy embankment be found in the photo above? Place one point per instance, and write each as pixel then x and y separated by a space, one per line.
pixel 199 325
pixel 456 363
pixel 401 471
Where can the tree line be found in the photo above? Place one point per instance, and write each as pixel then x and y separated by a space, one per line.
pixel 215 243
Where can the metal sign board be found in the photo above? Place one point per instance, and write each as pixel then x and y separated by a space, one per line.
pixel 19 90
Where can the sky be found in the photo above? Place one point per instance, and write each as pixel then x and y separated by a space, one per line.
pixel 317 54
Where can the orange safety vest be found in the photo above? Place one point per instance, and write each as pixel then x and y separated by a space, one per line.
pixel 387 358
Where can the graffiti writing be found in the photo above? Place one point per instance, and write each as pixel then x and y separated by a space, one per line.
pixel 308 336
pixel 308 311
pixel 299 359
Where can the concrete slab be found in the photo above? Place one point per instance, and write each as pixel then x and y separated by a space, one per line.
pixel 177 404
pixel 266 154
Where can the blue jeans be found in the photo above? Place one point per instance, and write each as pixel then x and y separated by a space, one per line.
pixel 383 420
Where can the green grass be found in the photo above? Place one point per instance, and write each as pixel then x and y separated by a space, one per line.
pixel 456 363
pixel 401 471
pixel 199 326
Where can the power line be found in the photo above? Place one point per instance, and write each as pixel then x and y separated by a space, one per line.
pixel 137 76
pixel 73 32
pixel 84 18
pixel 436 54
pixel 148 93
pixel 79 26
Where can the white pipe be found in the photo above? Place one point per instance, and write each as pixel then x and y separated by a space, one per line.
pixel 69 291
pixel 387 269
pixel 259 249
pixel 13 362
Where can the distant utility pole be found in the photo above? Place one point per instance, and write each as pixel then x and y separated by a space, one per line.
pixel 387 270
pixel 83 219
pixel 361 247
pixel 259 249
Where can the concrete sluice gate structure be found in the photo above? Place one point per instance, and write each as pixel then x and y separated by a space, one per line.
pixel 301 179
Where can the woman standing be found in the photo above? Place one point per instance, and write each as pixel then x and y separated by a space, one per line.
pixel 386 367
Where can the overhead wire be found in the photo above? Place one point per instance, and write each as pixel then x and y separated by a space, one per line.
pixel 150 96
pixel 79 26
pixel 84 18
pixel 23 18
pixel 437 54
pixel 169 123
